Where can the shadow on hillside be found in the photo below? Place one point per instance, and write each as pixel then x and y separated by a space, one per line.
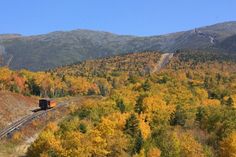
pixel 36 110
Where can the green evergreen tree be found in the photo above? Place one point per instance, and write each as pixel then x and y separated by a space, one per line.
pixel 179 116
pixel 103 90
pixel 146 85
pixel 133 78
pixel 230 102
pixel 120 104
pixel 82 128
pixel 201 116
pixel 132 125
pixel 139 141
pixel 139 107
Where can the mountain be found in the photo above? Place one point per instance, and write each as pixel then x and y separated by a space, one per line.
pixel 55 49
pixel 228 44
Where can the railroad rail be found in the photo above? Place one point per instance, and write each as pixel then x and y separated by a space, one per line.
pixel 16 125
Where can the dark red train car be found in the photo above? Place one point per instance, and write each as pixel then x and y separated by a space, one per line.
pixel 45 104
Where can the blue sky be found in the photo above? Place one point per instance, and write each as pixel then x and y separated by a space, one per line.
pixel 135 17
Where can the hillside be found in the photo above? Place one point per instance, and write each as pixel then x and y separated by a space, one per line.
pixel 228 44
pixel 185 109
pixel 55 49
pixel 14 106
pixel 142 63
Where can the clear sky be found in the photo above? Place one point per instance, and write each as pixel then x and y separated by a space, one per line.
pixel 135 17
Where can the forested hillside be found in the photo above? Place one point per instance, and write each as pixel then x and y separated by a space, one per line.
pixel 186 109
pixel 141 63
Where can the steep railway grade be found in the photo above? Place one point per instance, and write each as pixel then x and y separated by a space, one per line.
pixel 16 125
pixel 165 58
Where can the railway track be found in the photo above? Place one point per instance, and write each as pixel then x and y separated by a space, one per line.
pixel 16 125
pixel 165 58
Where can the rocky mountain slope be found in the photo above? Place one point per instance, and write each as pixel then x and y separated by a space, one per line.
pixel 55 49
pixel 228 44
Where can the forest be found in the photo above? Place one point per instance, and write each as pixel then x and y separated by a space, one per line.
pixel 185 110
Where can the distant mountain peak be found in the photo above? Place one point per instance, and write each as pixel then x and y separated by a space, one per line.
pixel 41 52
pixel 10 36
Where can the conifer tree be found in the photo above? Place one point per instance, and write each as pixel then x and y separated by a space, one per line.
pixel 132 125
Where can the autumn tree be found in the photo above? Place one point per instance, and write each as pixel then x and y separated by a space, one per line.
pixel 144 128
pixel 154 152
pixel 103 86
pixel 5 76
pixel 168 142
pixel 47 143
pixel 115 83
pixel 116 141
pixel 45 83
pixel 189 146
pixel 228 146
pixel 77 85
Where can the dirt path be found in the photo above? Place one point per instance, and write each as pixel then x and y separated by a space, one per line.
pixel 165 58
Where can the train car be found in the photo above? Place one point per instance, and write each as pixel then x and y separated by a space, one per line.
pixel 45 104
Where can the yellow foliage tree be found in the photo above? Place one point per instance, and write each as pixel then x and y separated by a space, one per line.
pixel 77 85
pixel 201 94
pixel 228 146
pixel 46 143
pixel 212 102
pixel 157 110
pixel 154 152
pixel 145 129
pixel 98 144
pixel 152 103
pixel 72 144
pixel 5 76
pixel 115 139
pixel 119 119
pixel 189 147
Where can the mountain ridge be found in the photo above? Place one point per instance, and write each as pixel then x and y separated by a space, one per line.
pixel 46 51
